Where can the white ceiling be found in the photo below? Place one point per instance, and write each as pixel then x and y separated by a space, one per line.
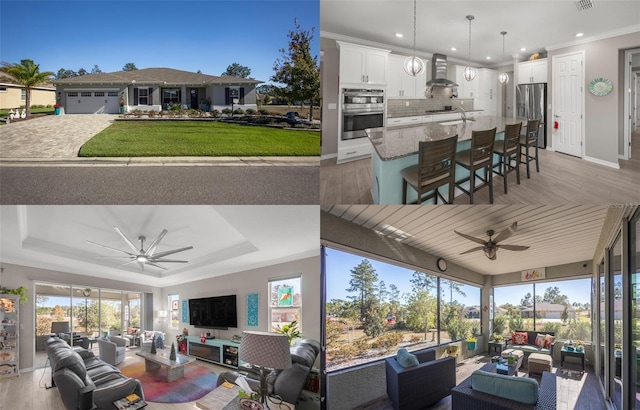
pixel 556 235
pixel 225 239
pixel 535 25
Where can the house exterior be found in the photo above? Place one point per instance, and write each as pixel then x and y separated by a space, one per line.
pixel 13 96
pixel 153 89
pixel 546 310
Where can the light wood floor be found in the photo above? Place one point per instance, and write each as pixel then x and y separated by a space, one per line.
pixel 574 390
pixel 27 392
pixel 562 179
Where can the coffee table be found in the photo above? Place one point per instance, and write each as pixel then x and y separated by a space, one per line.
pixel 226 398
pixel 511 370
pixel 175 368
pixel 564 352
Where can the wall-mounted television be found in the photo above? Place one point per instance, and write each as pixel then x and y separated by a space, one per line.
pixel 218 312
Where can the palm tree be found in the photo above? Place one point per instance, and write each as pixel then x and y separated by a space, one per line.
pixel 28 74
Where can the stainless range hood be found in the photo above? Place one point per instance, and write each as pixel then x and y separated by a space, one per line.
pixel 439 72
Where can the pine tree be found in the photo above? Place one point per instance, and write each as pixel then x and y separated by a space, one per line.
pixel 153 345
pixel 172 355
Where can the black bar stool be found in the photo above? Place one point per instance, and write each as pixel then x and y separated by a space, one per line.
pixel 530 140
pixel 436 167
pixel 508 150
pixel 480 156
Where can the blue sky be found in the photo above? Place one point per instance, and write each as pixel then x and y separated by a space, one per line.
pixel 339 265
pixel 206 35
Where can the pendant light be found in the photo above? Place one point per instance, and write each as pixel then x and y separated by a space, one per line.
pixel 469 72
pixel 413 65
pixel 503 77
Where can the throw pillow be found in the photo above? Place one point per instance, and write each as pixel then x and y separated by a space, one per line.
pixel 548 340
pixel 520 338
pixel 148 335
pixel 540 340
pixel 406 359
pixel 159 340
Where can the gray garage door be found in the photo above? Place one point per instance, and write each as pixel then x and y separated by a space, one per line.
pixel 92 102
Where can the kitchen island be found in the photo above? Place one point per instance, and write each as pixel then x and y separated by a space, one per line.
pixel 397 148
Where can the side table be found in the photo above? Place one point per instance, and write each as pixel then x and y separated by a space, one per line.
pixel 564 353
pixel 495 346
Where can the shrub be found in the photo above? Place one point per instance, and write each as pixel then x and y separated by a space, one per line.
pixel 226 111
pixel 238 111
pixel 415 339
pixel 263 121
pixel 515 322
pixel 499 324
pixel 262 111
pixel 214 113
pixel 251 111
pixel 387 340
pixel 151 113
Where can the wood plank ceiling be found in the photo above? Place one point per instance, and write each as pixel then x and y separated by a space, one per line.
pixel 556 235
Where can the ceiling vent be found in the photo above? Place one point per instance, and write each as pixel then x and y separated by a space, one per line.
pixel 585 4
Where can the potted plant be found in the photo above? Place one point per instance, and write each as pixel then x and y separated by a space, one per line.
pixel 121 106
pixel 291 330
pixel 471 343
pixel 57 109
pixel 452 350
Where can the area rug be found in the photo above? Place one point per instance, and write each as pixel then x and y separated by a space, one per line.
pixel 197 382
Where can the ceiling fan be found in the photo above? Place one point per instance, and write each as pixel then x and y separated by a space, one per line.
pixel 490 247
pixel 141 256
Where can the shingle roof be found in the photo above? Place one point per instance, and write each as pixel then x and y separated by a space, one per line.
pixel 7 79
pixel 168 76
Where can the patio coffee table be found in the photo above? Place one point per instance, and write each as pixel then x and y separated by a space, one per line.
pixel 564 352
pixel 175 368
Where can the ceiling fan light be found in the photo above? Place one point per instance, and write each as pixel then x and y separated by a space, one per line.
pixel 503 78
pixel 469 73
pixel 413 66
pixel 142 259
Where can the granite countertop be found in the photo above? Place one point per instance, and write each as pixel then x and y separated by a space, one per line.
pixel 398 142
pixel 437 112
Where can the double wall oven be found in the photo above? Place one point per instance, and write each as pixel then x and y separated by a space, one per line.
pixel 361 109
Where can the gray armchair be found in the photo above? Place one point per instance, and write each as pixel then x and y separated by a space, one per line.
pixel 422 385
pixel 113 350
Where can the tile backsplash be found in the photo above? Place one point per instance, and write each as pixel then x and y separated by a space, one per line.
pixel 441 97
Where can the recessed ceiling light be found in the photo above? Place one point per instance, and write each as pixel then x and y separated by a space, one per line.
pixel 523 49
pixel 579 34
pixel 399 35
pixel 488 58
pixel 453 49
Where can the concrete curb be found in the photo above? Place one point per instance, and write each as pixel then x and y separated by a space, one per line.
pixel 162 161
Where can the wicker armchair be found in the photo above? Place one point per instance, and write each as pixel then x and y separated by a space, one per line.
pixel 423 385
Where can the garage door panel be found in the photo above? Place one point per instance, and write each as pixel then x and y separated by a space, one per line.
pixel 92 102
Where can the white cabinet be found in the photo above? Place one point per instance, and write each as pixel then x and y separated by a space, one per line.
pixel 362 65
pixel 487 97
pixel 396 122
pixel 402 85
pixel 9 336
pixel 534 71
pixel 466 89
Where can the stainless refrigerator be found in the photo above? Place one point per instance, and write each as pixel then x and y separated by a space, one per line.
pixel 531 102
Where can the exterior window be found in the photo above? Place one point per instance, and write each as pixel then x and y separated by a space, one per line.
pixel 112 94
pixel 72 94
pixel 98 94
pixel 3 89
pixel 174 311
pixel 285 302
pixel 143 96
pixel 170 95
pixel 85 94
pixel 23 94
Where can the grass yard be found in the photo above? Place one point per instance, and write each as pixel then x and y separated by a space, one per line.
pixel 49 111
pixel 198 138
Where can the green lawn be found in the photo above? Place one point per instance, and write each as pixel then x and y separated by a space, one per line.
pixel 50 111
pixel 196 138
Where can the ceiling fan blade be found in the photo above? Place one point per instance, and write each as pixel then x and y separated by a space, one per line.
pixel 479 248
pixel 152 248
pixel 131 245
pixel 125 264
pixel 115 257
pixel 506 233
pixel 513 247
pixel 156 265
pixel 471 238
pixel 113 249
pixel 167 253
pixel 168 260
pixel 141 265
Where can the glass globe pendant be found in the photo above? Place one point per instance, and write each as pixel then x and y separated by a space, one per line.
pixel 413 65
pixel 469 72
pixel 503 78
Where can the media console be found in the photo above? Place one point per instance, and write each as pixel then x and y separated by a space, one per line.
pixel 218 351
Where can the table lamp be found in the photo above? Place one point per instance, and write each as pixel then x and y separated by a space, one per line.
pixel 264 351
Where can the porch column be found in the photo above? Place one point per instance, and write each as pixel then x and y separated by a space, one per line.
pixel 183 97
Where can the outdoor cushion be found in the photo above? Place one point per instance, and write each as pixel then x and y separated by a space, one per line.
pixel 406 359
pixel 520 338
pixel 540 340
pixel 520 389
pixel 549 340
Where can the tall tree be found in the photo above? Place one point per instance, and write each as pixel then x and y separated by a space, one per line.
pixel 129 67
pixel 363 282
pixel 237 70
pixel 96 69
pixel 422 281
pixel 526 301
pixel 27 74
pixel 64 73
pixel 298 70
pixel 82 72
pixel 553 295
pixel 453 287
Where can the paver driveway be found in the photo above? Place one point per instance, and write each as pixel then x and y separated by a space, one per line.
pixel 53 136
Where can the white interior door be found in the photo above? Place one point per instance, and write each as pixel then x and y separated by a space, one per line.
pixel 568 103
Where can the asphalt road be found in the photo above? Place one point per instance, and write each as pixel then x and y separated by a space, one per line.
pixel 160 185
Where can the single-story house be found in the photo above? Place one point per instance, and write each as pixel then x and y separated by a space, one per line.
pixel 153 89
pixel 13 95
pixel 546 310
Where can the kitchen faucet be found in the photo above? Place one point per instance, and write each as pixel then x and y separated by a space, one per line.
pixel 463 115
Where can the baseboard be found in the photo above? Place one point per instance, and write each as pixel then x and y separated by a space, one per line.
pixel 549 148
pixel 328 156
pixel 27 370
pixel 602 162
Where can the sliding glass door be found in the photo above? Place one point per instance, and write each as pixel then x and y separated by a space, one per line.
pixel 616 352
pixel 634 252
